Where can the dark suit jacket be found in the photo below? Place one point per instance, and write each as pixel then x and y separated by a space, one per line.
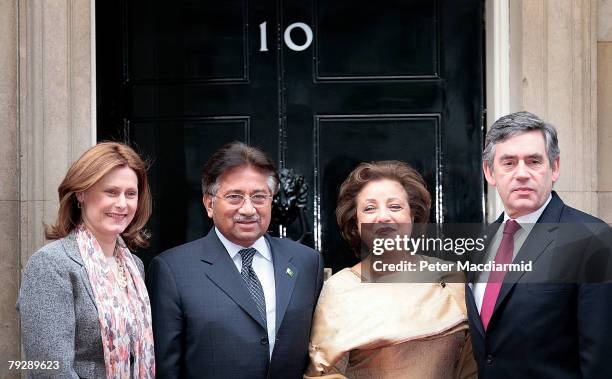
pixel 206 324
pixel 559 328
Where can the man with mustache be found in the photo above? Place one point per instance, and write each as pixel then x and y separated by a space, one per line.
pixel 236 303
pixel 552 322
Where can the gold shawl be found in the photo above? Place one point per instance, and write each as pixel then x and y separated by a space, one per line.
pixel 351 315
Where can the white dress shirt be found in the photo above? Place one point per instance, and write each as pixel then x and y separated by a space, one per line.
pixel 264 268
pixel 526 222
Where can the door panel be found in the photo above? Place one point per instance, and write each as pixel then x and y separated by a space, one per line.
pixel 176 166
pixel 375 43
pixel 180 41
pixel 367 138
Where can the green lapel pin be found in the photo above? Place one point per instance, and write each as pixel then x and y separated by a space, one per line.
pixel 290 272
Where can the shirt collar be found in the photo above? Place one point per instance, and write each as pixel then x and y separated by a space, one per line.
pixel 531 218
pixel 261 245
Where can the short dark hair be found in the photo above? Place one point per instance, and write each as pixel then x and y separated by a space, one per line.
pixel 236 154
pixel 419 198
pixel 517 123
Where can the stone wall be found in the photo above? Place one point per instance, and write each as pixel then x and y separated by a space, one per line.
pixel 9 187
pixel 553 73
pixel 45 124
pixel 604 108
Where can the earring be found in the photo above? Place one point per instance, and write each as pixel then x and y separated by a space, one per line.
pixel 79 204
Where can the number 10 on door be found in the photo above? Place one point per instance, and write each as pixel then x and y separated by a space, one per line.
pixel 263 36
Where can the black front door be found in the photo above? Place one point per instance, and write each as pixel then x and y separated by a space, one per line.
pixel 319 85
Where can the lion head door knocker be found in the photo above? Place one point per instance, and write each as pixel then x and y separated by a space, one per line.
pixel 290 205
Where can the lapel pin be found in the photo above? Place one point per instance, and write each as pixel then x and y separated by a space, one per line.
pixel 289 272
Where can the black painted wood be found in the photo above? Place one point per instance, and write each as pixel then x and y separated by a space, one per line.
pixel 393 79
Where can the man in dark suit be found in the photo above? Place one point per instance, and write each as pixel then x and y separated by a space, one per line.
pixel 236 303
pixel 552 322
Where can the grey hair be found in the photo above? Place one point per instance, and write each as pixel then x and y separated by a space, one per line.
pixel 517 123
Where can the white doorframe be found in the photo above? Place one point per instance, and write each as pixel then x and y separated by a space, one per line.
pixel 497 67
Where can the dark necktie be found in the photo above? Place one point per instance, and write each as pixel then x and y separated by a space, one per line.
pixel 252 281
pixel 496 278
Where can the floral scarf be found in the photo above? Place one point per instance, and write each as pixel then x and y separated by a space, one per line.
pixel 125 316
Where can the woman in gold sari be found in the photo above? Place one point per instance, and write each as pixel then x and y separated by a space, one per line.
pixel 387 330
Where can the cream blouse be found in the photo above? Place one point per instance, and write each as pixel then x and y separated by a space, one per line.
pixel 390 330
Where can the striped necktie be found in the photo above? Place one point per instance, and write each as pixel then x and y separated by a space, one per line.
pixel 252 281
